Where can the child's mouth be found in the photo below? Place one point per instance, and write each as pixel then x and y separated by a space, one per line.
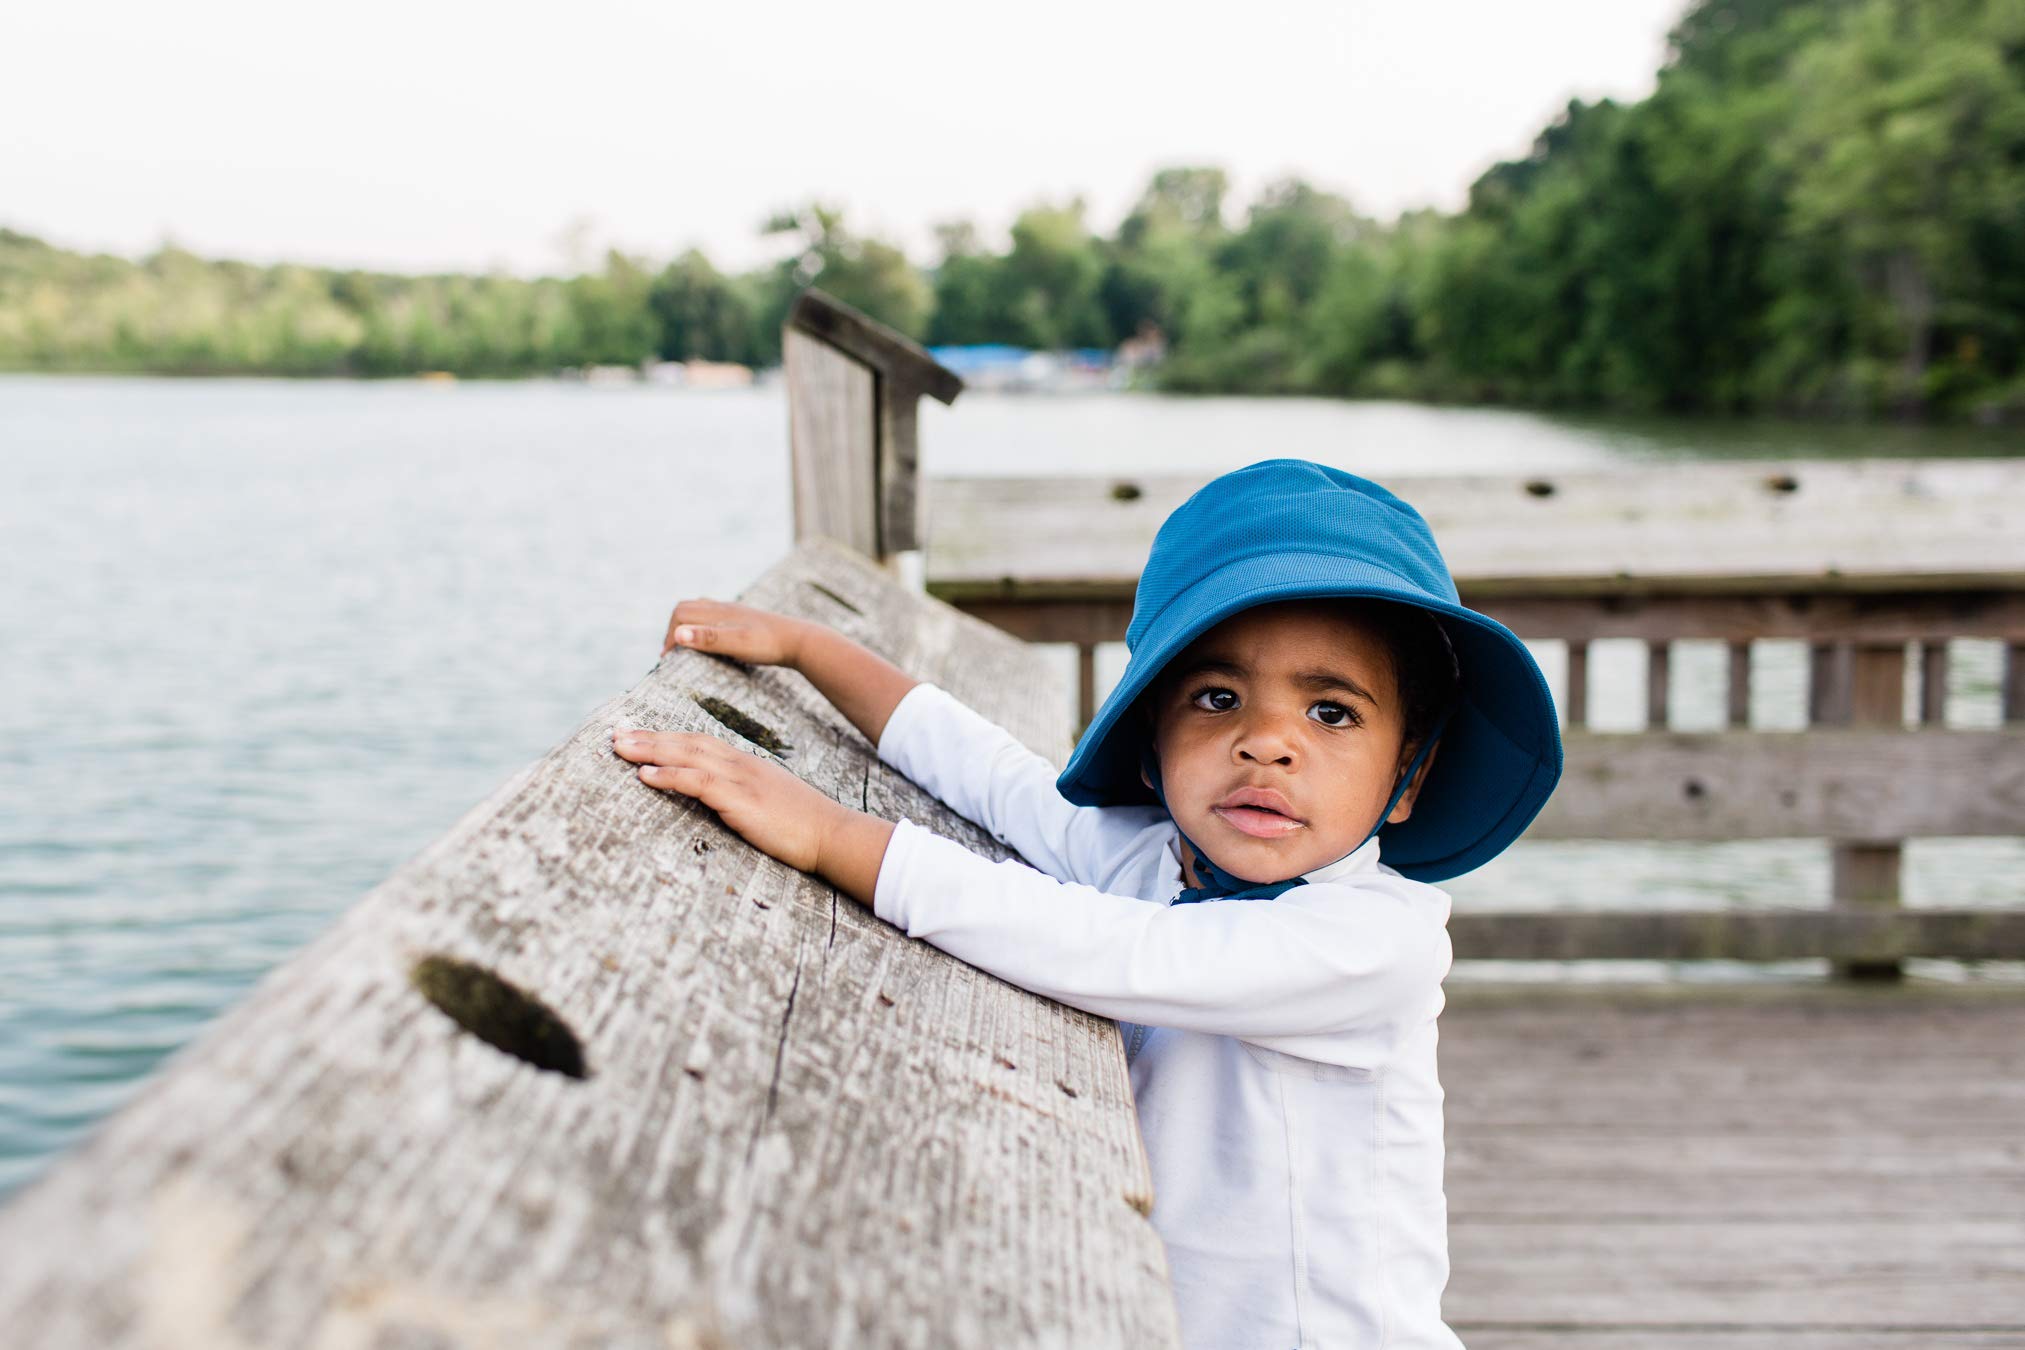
pixel 1257 821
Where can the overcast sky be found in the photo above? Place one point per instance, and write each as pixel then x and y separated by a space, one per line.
pixel 447 134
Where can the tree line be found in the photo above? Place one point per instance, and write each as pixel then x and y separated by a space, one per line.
pixel 1820 209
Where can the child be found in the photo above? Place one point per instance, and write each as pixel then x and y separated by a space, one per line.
pixel 1298 655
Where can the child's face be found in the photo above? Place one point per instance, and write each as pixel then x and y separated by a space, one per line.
pixel 1297 697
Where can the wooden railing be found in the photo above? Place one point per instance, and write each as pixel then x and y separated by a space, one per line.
pixel 1862 561
pixel 591 1070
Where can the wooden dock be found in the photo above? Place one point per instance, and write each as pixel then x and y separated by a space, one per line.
pixel 1736 1168
pixel 590 1070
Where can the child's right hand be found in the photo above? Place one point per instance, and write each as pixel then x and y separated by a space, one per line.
pixel 725 628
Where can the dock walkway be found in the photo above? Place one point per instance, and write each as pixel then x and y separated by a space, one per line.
pixel 1736 1167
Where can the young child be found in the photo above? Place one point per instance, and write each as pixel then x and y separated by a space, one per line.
pixel 1210 875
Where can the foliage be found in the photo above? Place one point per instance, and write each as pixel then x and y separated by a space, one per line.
pixel 1821 208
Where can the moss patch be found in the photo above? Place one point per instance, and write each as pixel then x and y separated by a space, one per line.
pixel 499 1013
pixel 818 587
pixel 759 733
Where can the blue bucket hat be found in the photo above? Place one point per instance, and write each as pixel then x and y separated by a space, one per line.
pixel 1282 529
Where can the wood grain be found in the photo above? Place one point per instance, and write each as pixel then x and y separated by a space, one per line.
pixel 1042 611
pixel 888 465
pixel 1825 782
pixel 796 1126
pixel 832 443
pixel 1840 934
pixel 1840 1166
pixel 890 352
pixel 1875 526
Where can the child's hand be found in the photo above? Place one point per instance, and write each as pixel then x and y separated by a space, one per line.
pixel 775 811
pixel 754 635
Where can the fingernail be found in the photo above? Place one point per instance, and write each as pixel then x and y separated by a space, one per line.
pixel 685 634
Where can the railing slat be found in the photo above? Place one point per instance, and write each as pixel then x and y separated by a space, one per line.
pixel 1863 784
pixel 1737 706
pixel 1658 673
pixel 1934 683
pixel 1845 936
pixel 1578 685
pixel 1864 870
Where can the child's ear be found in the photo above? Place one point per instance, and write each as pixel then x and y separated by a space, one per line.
pixel 1404 807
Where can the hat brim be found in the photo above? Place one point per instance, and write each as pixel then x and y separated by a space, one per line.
pixel 1499 756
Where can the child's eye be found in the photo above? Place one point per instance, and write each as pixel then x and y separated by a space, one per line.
pixel 1213 691
pixel 1344 717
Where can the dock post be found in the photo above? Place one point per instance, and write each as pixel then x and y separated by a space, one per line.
pixel 1737 704
pixel 2014 682
pixel 1658 665
pixel 1578 684
pixel 853 389
pixel 1868 684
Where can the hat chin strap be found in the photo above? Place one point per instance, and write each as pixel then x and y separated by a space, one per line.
pixel 1215 878
pixel 1399 788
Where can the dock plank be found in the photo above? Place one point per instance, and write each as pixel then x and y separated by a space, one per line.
pixel 1736 1168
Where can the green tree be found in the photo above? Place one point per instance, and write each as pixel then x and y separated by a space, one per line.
pixel 1047 288
pixel 867 274
pixel 1906 161
pixel 701 313
pixel 967 290
pixel 613 320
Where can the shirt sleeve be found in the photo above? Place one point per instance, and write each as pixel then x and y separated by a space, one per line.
pixel 1328 970
pixel 987 775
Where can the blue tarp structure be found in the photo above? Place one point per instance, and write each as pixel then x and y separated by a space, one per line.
pixel 974 357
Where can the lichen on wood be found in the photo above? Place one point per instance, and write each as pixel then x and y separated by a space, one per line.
pixel 754 730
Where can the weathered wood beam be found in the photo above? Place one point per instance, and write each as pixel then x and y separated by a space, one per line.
pixel 1852 783
pixel 1575 697
pixel 1934 683
pixel 1047 611
pixel 1842 935
pixel 833 444
pixel 1924 616
pixel 1864 870
pixel 853 387
pixel 1865 528
pixel 1737 689
pixel 886 350
pixel 590 1070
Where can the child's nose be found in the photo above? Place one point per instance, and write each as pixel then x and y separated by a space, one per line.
pixel 1267 741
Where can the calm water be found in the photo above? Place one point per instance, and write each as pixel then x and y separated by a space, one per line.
pixel 263 641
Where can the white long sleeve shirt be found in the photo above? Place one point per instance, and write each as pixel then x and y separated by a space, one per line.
pixel 1282 1051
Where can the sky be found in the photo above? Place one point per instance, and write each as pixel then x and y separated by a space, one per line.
pixel 447 135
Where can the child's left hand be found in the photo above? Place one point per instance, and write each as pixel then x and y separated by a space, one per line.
pixel 775 811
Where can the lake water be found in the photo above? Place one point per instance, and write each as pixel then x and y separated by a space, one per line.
pixel 261 642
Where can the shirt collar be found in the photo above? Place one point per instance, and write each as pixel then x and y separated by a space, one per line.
pixel 1363 858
